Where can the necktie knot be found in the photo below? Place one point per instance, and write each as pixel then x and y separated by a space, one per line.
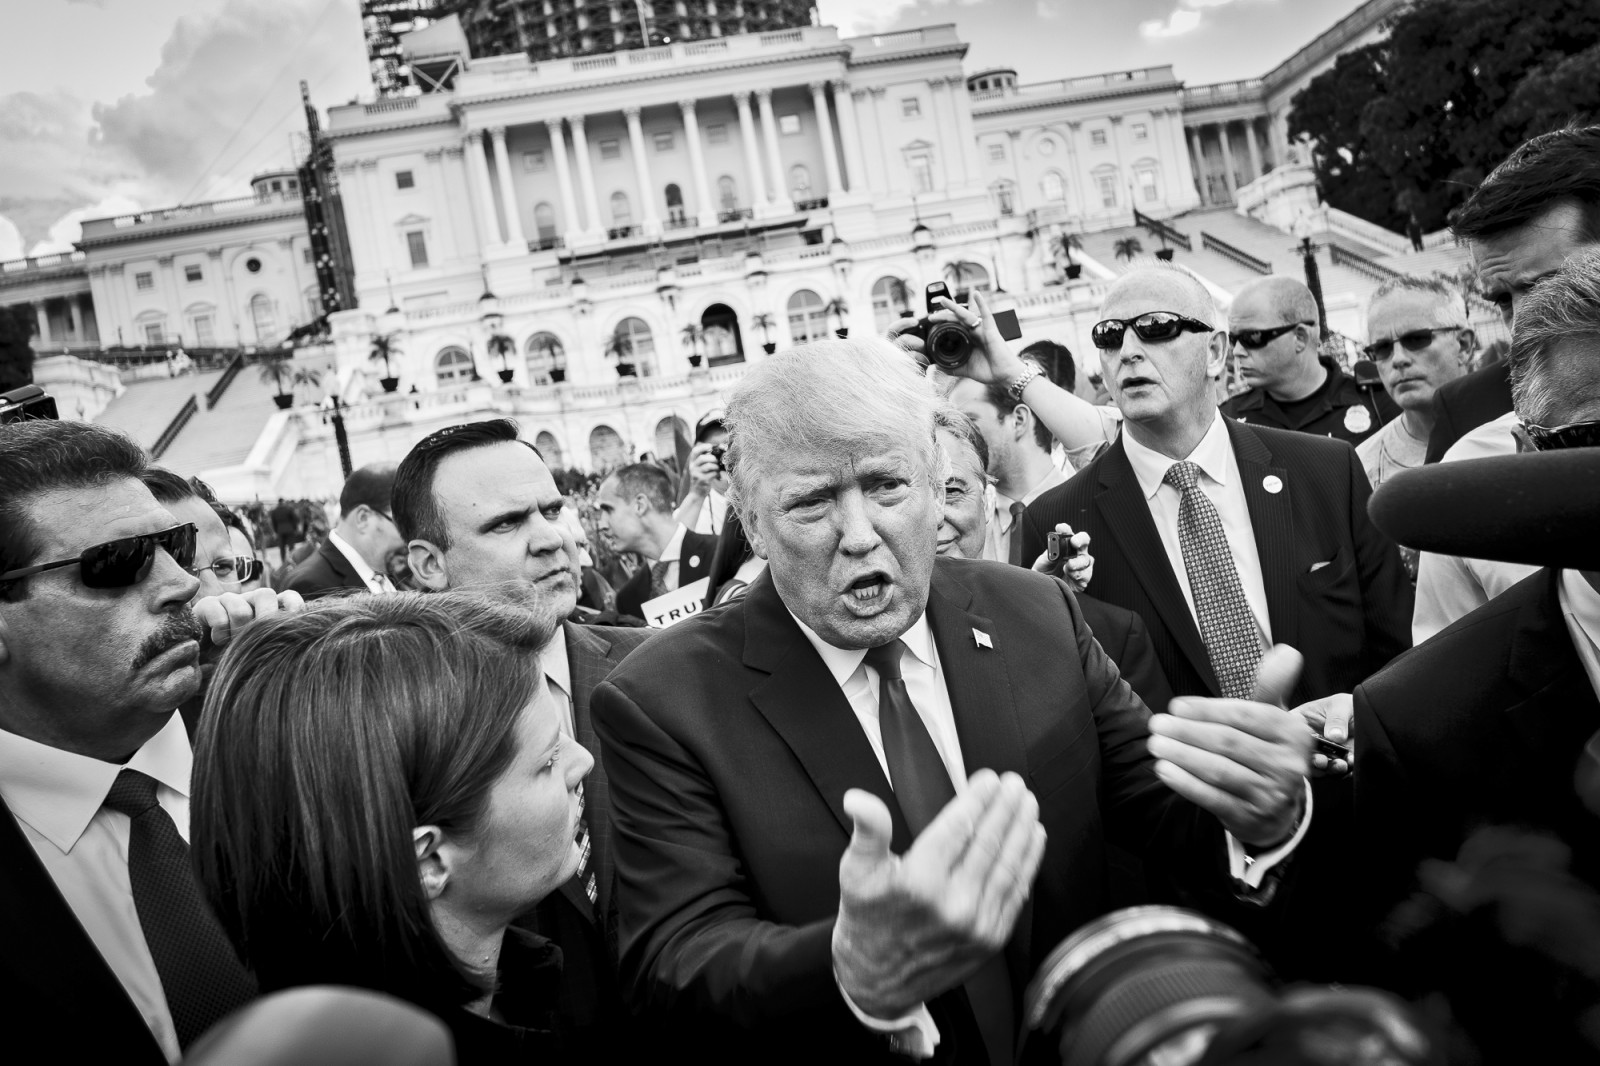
pixel 1017 507
pixel 1183 476
pixel 132 793
pixel 886 659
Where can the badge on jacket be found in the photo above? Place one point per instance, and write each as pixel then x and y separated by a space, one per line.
pixel 1357 419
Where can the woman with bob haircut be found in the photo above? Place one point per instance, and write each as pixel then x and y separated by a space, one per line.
pixel 381 785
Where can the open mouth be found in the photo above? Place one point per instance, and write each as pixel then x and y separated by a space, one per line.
pixel 869 594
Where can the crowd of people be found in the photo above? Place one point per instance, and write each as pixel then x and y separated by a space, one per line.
pixel 975 662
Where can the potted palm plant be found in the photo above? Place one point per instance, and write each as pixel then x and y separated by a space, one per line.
pixel 385 346
pixel 764 322
pixel 838 308
pixel 1066 244
pixel 277 370
pixel 1128 249
pixel 620 348
pixel 554 359
pixel 503 346
pixel 693 334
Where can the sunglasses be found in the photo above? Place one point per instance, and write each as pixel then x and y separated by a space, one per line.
pixel 235 569
pixel 1151 326
pixel 1251 339
pixel 117 564
pixel 1414 341
pixel 1555 438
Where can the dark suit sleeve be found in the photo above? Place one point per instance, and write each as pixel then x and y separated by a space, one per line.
pixel 691 944
pixel 1444 432
pixel 1387 597
pixel 1139 665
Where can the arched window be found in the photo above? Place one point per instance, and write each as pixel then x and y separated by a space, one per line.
pixel 262 318
pixel 452 365
pixel 808 317
pixel 550 448
pixel 543 351
pixel 1005 197
pixel 667 431
pixel 1052 187
pixel 635 344
pixel 799 182
pixel 544 221
pixel 966 276
pixel 621 212
pixel 891 299
pixel 675 213
pixel 606 449
pixel 727 193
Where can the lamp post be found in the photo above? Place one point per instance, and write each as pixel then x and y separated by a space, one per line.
pixel 334 413
pixel 489 318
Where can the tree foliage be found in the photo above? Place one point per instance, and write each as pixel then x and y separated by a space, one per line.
pixel 1416 121
pixel 16 356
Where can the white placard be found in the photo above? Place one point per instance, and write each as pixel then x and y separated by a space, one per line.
pixel 675 606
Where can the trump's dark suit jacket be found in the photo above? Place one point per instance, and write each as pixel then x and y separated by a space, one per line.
pixel 1336 589
pixel 324 572
pixel 694 563
pixel 729 748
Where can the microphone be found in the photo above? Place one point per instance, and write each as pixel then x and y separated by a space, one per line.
pixel 1538 508
pixel 1365 371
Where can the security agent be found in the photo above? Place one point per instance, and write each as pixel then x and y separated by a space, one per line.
pixel 1273 331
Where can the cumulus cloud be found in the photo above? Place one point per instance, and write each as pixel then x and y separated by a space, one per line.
pixel 10 240
pixel 859 17
pixel 1184 18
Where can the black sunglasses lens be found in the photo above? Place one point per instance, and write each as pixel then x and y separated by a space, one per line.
pixel 1415 342
pixel 1108 334
pixel 180 543
pixel 118 563
pixel 1380 351
pixel 1157 326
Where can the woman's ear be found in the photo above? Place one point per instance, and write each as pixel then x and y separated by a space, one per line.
pixel 433 865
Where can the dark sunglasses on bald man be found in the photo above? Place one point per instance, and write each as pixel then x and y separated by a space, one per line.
pixel 1555 438
pixel 1412 341
pixel 1152 326
pixel 1251 339
pixel 123 562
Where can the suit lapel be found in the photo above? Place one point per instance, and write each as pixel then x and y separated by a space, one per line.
pixel 588 662
pixel 1272 519
pixel 1559 712
pixel 803 703
pixel 1127 515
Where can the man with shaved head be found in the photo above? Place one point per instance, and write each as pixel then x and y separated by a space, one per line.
pixel 1273 328
pixel 1225 537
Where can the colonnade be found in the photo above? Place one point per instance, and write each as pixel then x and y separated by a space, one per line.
pixel 1200 133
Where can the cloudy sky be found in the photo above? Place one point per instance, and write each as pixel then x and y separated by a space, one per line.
pixel 109 106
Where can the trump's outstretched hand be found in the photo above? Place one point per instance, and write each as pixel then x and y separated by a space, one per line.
pixel 916 925
pixel 1245 761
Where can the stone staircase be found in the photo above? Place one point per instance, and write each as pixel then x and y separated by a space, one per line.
pixel 145 407
pixel 223 436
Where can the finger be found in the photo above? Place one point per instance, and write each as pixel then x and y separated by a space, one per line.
pixel 291 601
pixel 1043 564
pixel 1012 805
pixel 1341 711
pixel 1080 541
pixel 1277 674
pixel 1242 775
pixel 1064 529
pixel 1271 760
pixel 945 839
pixel 1019 887
pixel 1257 719
pixel 211 615
pixel 871 828
pixel 1229 809
pixel 980 304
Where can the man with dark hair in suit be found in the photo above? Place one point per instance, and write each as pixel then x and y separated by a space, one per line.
pixel 766 756
pixel 634 508
pixel 1225 538
pixel 480 510
pixel 110 953
pixel 356 554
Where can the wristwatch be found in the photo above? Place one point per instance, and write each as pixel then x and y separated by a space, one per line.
pixel 1015 386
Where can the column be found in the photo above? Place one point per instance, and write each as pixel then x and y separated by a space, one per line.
pixel 769 128
pixel 1255 148
pixel 891 182
pixel 508 196
pixel 580 148
pixel 952 166
pixel 230 297
pixel 363 250
pixel 174 302
pixel 570 225
pixel 458 199
pixel 483 196
pixel 850 136
pixel 1227 161
pixel 76 316
pixel 870 147
pixel 752 154
pixel 705 206
pixel 969 133
pixel 1182 175
pixel 385 241
pixel 1078 185
pixel 446 233
pixel 1125 193
pixel 42 313
pixel 1198 161
pixel 641 173
pixel 830 154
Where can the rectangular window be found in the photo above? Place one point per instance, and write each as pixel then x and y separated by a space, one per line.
pixel 418 248
pixel 610 149
pixel 1141 132
pixel 203 334
pixel 404 179
pixel 921 172
pixel 153 333
pixel 533 160
pixel 910 107
pixel 997 152
pixel 144 280
pixel 191 272
pixel 663 142
pixel 717 134
pixel 1097 138
pixel 1147 186
pixel 1108 190
pixel 789 125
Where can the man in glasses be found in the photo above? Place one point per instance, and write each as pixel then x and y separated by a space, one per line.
pixel 217 564
pixel 110 953
pixel 1273 329
pixel 356 554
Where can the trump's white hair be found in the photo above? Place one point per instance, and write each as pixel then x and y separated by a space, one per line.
pixel 840 397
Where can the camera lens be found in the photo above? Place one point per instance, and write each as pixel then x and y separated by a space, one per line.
pixel 949 345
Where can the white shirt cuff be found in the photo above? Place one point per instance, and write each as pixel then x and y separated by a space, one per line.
pixel 913 1034
pixel 1251 870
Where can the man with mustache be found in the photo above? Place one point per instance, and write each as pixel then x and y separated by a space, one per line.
pixel 110 953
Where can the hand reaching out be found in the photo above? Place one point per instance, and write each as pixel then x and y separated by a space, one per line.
pixel 1076 566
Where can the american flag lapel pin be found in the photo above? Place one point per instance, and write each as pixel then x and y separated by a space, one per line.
pixel 981 639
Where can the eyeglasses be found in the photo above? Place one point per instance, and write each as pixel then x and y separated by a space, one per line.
pixel 1412 341
pixel 385 514
pixel 123 562
pixel 1555 438
pixel 1251 339
pixel 237 569
pixel 1150 326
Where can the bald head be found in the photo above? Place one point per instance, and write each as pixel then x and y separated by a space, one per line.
pixel 1282 299
pixel 1182 291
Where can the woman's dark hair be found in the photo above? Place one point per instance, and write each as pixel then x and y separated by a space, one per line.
pixel 327 737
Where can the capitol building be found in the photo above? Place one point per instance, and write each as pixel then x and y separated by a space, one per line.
pixel 598 245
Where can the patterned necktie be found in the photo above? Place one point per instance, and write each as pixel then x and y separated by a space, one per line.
pixel 1017 507
pixel 200 973
pixel 1227 625
pixel 585 874
pixel 658 578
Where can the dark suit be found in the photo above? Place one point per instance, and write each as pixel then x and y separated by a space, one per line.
pixel 1462 405
pixel 589 1003
pixel 694 563
pixel 729 748
pixel 1126 639
pixel 1483 724
pixel 324 572
pixel 1348 617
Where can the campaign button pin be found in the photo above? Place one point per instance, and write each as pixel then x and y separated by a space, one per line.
pixel 694 560
pixel 1272 483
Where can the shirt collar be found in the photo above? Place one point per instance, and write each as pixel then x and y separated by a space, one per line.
pixel 674 547
pixel 842 663
pixel 1581 602
pixel 59 792
pixel 363 571
pixel 1211 455
pixel 557 669
pixel 1049 481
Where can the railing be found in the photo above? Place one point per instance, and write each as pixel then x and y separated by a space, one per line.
pixel 735 214
pixel 647 55
pixel 815 204
pixel 394 103
pixel 1223 92
pixel 170 434
pixel 1157 228
pixel 220 386
pixel 679 222
pixel 43 262
pixel 1238 255
pixel 1342 222
pixel 700 48
pixel 616 233
pixel 595 62
pixel 782 37
pixel 1360 264
pixel 544 244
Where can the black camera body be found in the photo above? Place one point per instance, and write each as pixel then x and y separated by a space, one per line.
pixel 30 401
pixel 721 452
pixel 949 344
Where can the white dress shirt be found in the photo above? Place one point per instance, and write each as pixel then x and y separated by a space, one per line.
pixel 1221 482
pixel 670 555
pixel 371 578
pixel 1002 524
pixel 712 514
pixel 57 797
pixel 558 679
pixel 1580 606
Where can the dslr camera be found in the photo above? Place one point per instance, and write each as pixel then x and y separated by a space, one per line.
pixel 30 401
pixel 949 344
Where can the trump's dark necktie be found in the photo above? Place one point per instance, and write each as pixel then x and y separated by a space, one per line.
pixel 200 974
pixel 922 787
